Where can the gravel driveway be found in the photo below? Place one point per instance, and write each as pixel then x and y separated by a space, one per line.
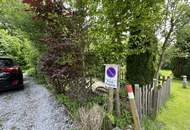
pixel 33 108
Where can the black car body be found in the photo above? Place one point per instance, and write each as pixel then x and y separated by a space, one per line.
pixel 11 76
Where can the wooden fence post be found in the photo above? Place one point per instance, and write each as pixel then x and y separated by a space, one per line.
pixel 146 99
pixel 110 99
pixel 169 84
pixel 163 79
pixel 151 97
pixel 159 80
pixel 133 107
pixel 149 112
pixel 138 100
pixel 117 100
pixel 155 98
pixel 110 104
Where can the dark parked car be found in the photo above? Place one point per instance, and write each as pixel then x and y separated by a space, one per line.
pixel 11 76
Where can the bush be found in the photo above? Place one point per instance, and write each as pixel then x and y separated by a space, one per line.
pixel 73 104
pixel 19 34
pixel 18 47
pixel 180 66
pixel 140 68
pixel 149 124
pixel 141 64
pixel 91 119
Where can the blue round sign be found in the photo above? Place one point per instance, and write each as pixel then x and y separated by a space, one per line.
pixel 111 72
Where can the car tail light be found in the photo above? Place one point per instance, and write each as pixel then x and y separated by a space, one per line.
pixel 10 69
pixel 14 82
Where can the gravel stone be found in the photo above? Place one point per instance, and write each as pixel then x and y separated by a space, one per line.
pixel 33 108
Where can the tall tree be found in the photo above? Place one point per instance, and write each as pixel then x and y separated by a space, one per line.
pixel 142 41
pixel 175 16
pixel 181 58
pixel 64 62
pixel 118 22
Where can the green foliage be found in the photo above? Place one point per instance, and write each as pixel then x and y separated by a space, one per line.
pixel 72 105
pixel 123 120
pixel 140 68
pixel 111 117
pixel 169 54
pixel 102 54
pixel 108 21
pixel 115 25
pixel 166 73
pixel 64 62
pixel 14 16
pixel 19 34
pixel 183 42
pixel 81 39
pixel 18 47
pixel 180 66
pixel 141 62
pixel 181 59
pixel 176 15
pixel 149 124
pixel 100 100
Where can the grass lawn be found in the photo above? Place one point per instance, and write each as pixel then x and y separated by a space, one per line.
pixel 166 73
pixel 175 115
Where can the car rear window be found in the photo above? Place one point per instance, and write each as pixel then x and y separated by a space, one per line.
pixel 6 63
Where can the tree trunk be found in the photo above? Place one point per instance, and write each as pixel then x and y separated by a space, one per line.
pixel 160 64
pixel 164 46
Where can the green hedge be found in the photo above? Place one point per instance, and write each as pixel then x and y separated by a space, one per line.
pixel 140 68
pixel 181 66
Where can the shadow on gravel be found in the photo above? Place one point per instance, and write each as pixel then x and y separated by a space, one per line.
pixel 5 92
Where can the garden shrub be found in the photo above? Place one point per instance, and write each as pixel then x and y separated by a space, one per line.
pixel 18 47
pixel 20 34
pixel 181 66
pixel 91 119
pixel 140 68
pixel 140 64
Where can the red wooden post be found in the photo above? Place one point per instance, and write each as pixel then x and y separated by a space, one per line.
pixel 133 107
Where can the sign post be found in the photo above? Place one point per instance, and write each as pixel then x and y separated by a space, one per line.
pixel 112 82
pixel 111 75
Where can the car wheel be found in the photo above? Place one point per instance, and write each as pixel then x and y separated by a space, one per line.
pixel 21 87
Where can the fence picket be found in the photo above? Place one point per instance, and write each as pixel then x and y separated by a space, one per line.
pixel 142 101
pixel 138 99
pixel 146 98
pixel 144 104
pixel 150 99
